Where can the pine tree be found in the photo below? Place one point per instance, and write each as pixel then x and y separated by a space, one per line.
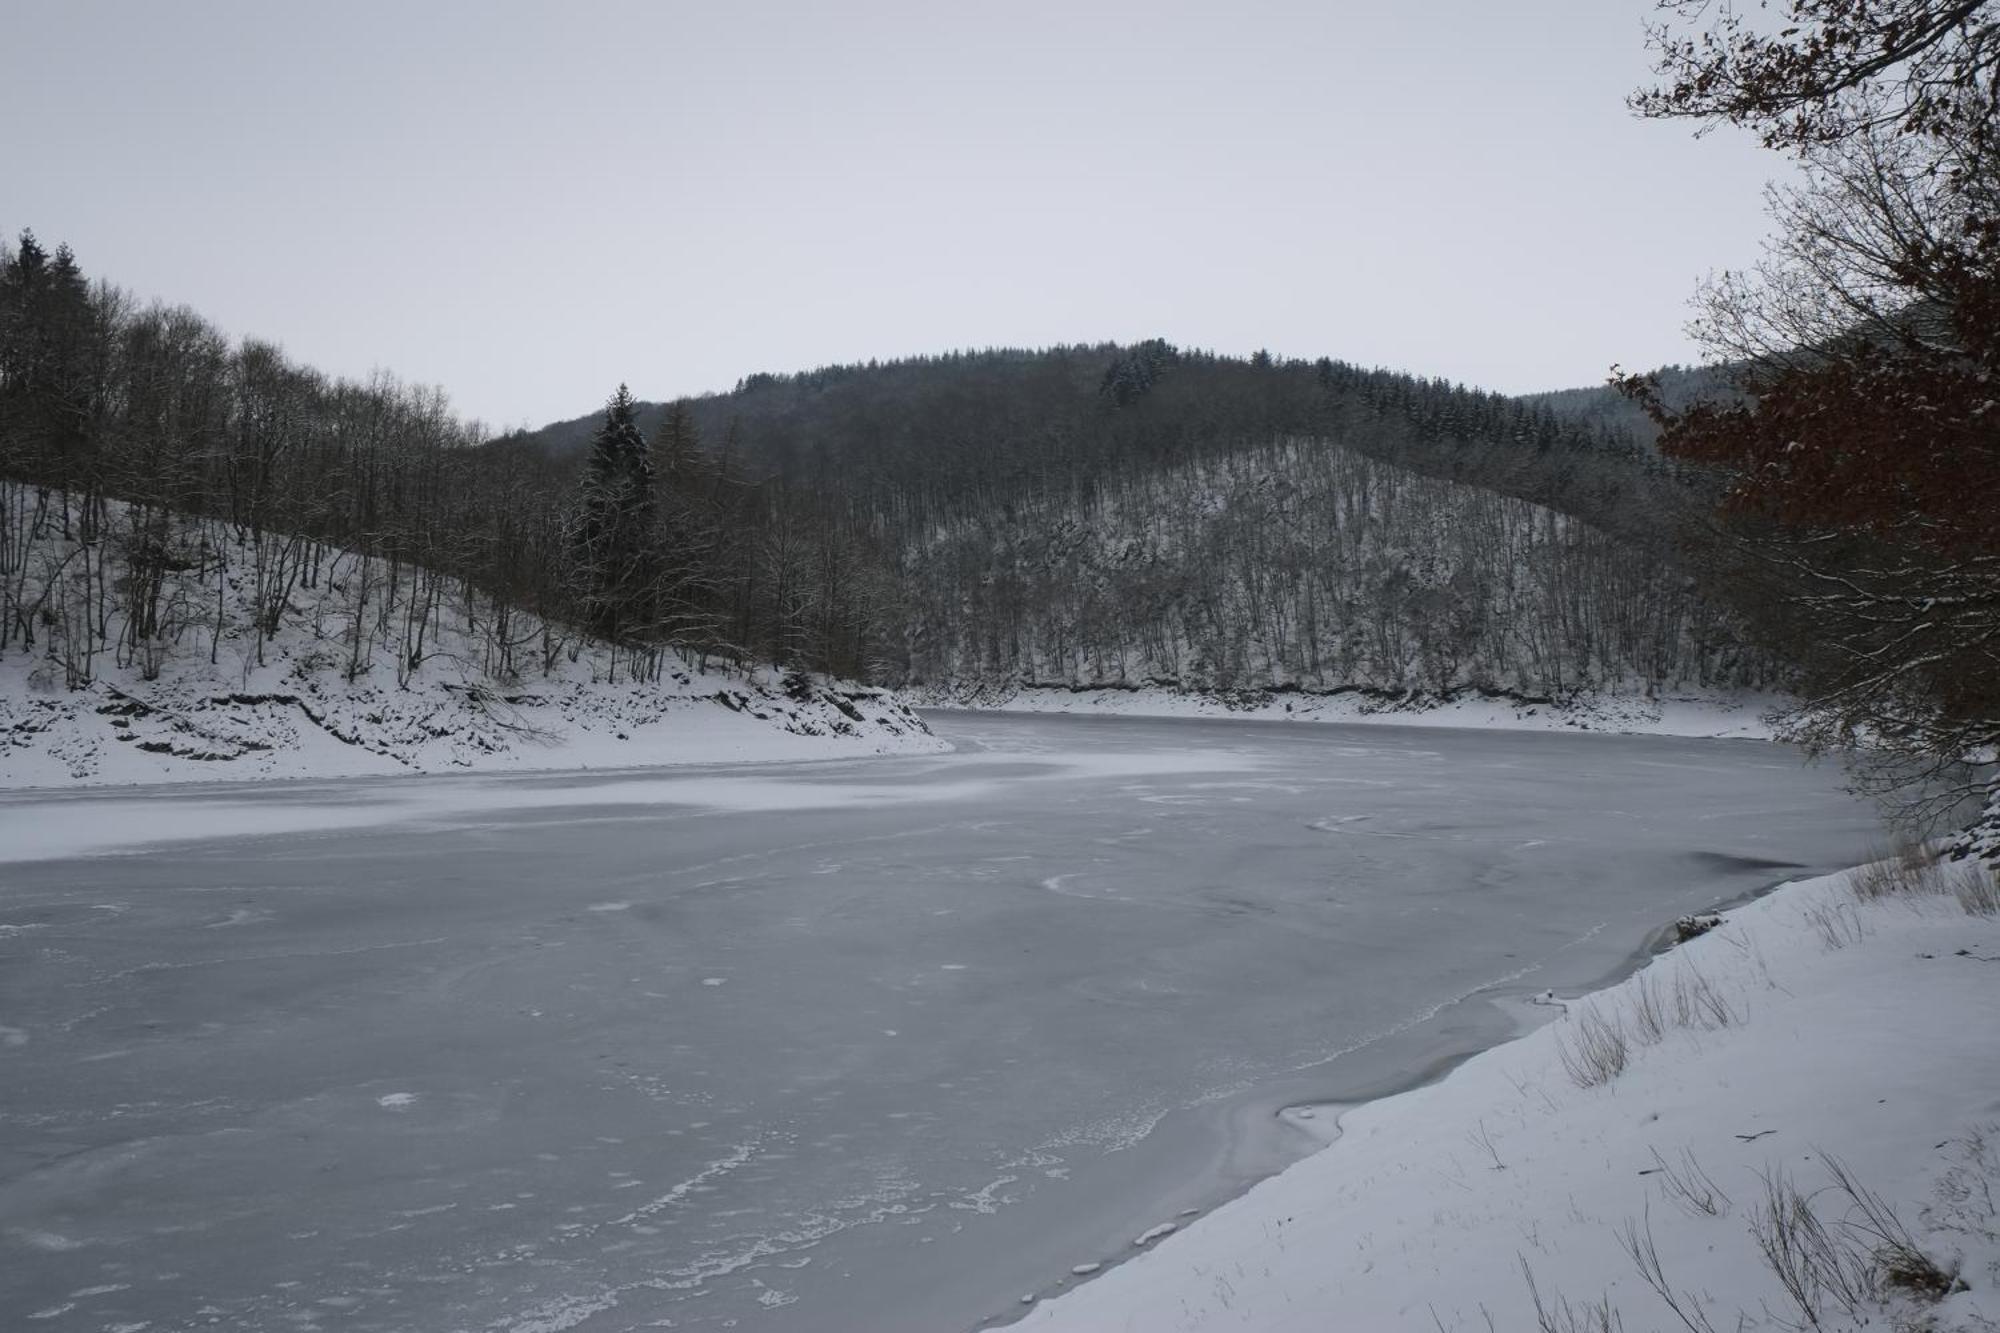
pixel 50 371
pixel 614 545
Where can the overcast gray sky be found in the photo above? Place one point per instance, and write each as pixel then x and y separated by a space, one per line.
pixel 527 203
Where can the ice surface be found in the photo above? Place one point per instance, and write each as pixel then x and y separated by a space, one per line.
pixel 987 1016
pixel 1423 1213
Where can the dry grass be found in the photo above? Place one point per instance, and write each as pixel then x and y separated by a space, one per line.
pixel 1912 872
pixel 1554 1314
pixel 1977 888
pixel 1899 1263
pixel 1900 872
pixel 1840 1253
pixel 1645 1255
pixel 1823 1275
pixel 1597 1045
pixel 1842 1269
pixel 1596 1051
pixel 1698 1004
pixel 1967 1203
pixel 1649 1009
pixel 1837 924
pixel 1690 1187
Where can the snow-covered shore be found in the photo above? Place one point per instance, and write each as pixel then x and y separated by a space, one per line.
pixel 1713 714
pixel 282 721
pixel 1689 1120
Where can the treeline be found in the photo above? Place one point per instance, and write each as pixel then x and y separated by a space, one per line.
pixel 151 441
pixel 1605 407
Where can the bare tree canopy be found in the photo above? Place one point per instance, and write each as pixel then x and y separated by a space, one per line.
pixel 1860 462
pixel 1831 69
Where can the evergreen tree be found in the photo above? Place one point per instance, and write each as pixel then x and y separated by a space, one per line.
pixel 614 534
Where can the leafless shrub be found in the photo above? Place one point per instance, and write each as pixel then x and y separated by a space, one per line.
pixel 1645 1257
pixel 1690 1187
pixel 1597 1051
pixel 1557 1315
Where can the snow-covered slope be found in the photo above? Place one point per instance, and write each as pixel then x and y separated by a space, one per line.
pixel 1306 565
pixel 1802 1105
pixel 330 692
pixel 288 720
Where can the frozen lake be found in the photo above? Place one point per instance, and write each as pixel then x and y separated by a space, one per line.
pixel 878 1045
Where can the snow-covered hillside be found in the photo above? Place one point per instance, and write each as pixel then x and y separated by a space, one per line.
pixel 345 666
pixel 1303 565
pixel 1791 1121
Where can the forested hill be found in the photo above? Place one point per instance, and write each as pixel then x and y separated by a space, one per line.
pixel 1146 515
pixel 928 439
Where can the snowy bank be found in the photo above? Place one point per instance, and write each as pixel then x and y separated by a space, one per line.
pixel 286 720
pixel 1715 714
pixel 258 656
pixel 1790 1121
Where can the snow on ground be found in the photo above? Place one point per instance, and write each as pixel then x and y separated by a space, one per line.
pixel 1812 1034
pixel 1690 714
pixel 288 719
pixel 226 703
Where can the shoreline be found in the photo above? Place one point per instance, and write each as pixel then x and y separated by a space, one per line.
pixel 1687 714
pixel 1363 1198
pixel 222 783
pixel 589 729
pixel 1264 1132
